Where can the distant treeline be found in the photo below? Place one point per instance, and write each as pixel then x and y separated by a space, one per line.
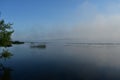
pixel 17 42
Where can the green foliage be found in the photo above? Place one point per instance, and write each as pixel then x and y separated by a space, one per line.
pixel 5 34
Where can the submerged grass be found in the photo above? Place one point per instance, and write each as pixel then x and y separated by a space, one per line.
pixel 43 46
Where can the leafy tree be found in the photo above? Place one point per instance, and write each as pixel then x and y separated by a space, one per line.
pixel 5 34
pixel 5 41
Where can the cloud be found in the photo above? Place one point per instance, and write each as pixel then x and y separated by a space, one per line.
pixel 99 26
pixel 87 22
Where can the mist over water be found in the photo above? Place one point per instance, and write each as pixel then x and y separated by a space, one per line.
pixel 64 40
pixel 66 61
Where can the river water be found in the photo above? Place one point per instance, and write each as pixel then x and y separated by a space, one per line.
pixel 62 61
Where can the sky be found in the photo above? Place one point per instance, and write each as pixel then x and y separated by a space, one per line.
pixel 85 20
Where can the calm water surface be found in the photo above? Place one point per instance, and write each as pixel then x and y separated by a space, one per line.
pixel 62 61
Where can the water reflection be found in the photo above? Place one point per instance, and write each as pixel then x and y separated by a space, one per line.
pixel 60 62
pixel 5 72
pixel 6 54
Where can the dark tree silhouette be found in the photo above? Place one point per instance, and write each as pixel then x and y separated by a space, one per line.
pixel 5 41
pixel 5 34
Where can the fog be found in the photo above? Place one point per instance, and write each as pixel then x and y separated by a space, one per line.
pixel 87 22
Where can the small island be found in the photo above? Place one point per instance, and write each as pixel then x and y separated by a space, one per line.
pixel 38 46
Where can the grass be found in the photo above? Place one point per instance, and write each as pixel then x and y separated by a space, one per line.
pixel 38 46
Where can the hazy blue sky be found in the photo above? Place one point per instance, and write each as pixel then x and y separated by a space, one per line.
pixel 87 20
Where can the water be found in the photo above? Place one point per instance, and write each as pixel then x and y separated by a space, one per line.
pixel 62 61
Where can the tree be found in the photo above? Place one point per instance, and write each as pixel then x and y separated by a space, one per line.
pixel 5 34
